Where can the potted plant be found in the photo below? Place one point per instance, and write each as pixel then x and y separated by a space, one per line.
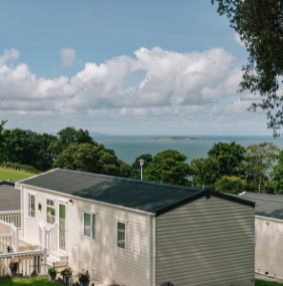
pixel 13 265
pixel 84 278
pixel 66 273
pixel 52 273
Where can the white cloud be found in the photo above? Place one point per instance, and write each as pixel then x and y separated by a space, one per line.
pixel 237 38
pixel 68 57
pixel 167 86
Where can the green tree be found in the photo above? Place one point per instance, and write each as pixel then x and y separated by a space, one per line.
pixel 168 166
pixel 276 175
pixel 90 157
pixel 232 185
pixel 258 159
pixel 260 26
pixel 2 140
pixel 205 172
pixel 136 168
pixel 229 157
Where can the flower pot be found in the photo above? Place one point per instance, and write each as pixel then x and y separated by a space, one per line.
pixel 53 276
pixel 13 271
pixel 84 283
pixel 66 279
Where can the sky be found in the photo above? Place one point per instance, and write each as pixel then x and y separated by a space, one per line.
pixel 162 67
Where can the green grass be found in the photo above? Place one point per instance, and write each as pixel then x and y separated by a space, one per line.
pixel 6 174
pixel 27 281
pixel 266 283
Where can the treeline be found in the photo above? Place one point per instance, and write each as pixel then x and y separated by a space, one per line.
pixel 229 168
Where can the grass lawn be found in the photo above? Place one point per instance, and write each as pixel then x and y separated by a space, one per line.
pixel 27 281
pixel 266 283
pixel 6 174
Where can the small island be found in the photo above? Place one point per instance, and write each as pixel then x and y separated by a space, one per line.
pixel 177 138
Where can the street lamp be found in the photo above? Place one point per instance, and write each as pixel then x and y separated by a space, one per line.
pixel 141 164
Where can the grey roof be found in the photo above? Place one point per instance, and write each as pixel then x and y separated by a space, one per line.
pixel 268 205
pixel 10 198
pixel 139 195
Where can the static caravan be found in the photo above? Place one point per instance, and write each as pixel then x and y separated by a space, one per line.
pixel 140 233
pixel 268 233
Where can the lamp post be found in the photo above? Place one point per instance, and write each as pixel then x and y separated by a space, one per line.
pixel 141 164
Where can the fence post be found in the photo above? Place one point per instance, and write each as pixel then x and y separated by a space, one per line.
pixel 45 261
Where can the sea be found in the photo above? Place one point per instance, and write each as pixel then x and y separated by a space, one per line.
pixel 128 148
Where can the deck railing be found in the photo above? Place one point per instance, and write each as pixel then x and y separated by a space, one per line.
pixel 11 217
pixel 8 237
pixel 48 237
pixel 29 261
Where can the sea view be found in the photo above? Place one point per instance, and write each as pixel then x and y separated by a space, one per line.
pixel 128 148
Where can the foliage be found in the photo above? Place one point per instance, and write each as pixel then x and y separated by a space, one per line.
pixel 136 168
pixel 205 171
pixel 52 270
pixel 229 157
pixel 260 26
pixel 125 169
pixel 258 160
pixel 83 276
pixel 2 139
pixel 14 264
pixel 168 167
pixel 31 281
pixel 67 272
pixel 90 157
pixel 231 185
pixel 20 167
pixel 276 175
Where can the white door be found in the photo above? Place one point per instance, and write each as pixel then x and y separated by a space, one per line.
pixel 62 226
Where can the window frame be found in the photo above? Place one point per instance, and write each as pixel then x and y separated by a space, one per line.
pixel 125 235
pixel 30 212
pixel 51 207
pixel 92 226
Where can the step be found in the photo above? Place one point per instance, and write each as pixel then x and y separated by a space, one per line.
pixel 57 259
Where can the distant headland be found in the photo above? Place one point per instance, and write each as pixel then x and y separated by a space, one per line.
pixel 175 138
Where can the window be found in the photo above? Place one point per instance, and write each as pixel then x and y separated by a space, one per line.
pixel 121 235
pixel 31 205
pixel 89 225
pixel 50 209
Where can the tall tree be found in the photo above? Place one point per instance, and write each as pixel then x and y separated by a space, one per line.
pixel 260 26
pixel 168 166
pixel 258 160
pixel 2 139
pixel 229 157
pixel 205 171
pixel 232 185
pixel 276 175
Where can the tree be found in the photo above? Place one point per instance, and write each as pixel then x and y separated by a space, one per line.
pixel 232 185
pixel 2 139
pixel 276 175
pixel 205 171
pixel 89 157
pixel 229 157
pixel 168 166
pixel 136 168
pixel 260 26
pixel 258 160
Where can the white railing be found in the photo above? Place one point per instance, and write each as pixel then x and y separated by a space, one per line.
pixel 9 237
pixel 11 217
pixel 48 237
pixel 29 261
pixel 51 239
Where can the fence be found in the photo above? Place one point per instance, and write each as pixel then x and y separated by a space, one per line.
pixel 48 237
pixel 29 261
pixel 8 237
pixel 11 217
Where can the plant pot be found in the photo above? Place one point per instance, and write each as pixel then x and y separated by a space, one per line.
pixel 53 276
pixel 14 271
pixel 84 283
pixel 66 279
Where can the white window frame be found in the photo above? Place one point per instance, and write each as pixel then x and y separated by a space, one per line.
pixel 29 206
pixel 125 235
pixel 51 207
pixel 92 226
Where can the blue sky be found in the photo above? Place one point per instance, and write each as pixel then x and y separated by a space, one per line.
pixel 123 67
